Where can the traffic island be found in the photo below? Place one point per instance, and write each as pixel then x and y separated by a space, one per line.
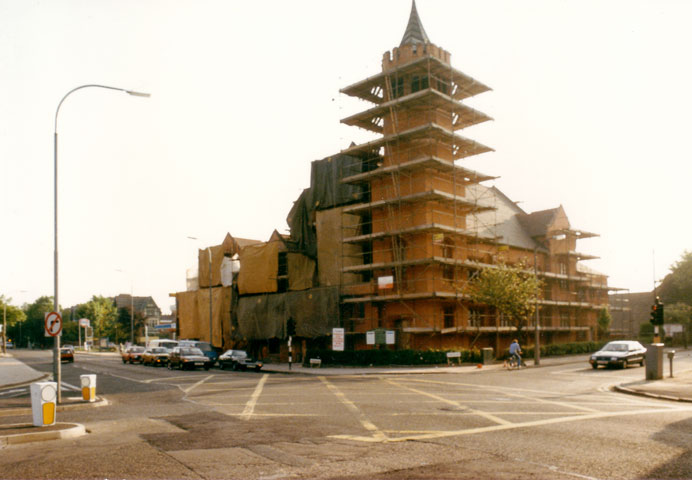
pixel 15 434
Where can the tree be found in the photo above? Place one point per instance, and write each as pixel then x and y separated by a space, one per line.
pixel 604 320
pixel 33 329
pixel 102 313
pixel 677 285
pixel 511 290
pixel 14 316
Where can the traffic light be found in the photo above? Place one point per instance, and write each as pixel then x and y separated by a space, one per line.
pixel 657 313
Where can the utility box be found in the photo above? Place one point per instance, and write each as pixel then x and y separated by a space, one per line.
pixel 654 361
pixel 487 355
pixel 44 396
pixel 88 387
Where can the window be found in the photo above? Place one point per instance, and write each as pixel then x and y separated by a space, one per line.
pixel 397 87
pixel 448 316
pixel 564 319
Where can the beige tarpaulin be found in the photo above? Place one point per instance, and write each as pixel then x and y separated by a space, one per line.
pixel 193 315
pixel 259 265
pixel 331 254
pixel 301 270
pixel 229 247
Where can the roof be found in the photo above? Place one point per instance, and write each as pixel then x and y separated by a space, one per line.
pixel 415 33
pixel 125 300
pixel 537 223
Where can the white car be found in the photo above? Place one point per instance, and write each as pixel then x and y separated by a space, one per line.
pixel 620 353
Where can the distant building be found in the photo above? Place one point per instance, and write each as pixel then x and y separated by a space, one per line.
pixel 629 310
pixel 145 306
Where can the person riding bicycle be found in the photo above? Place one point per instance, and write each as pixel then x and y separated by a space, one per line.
pixel 515 351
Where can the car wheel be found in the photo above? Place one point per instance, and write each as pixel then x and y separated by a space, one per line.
pixel 207 367
pixel 641 364
pixel 221 366
pixel 124 361
pixel 257 369
pixel 594 366
pixel 170 367
pixel 624 364
pixel 235 367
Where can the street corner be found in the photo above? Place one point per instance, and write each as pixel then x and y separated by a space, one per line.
pixel 19 433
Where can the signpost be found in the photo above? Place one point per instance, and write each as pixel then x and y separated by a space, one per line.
pixel 338 339
pixel 52 323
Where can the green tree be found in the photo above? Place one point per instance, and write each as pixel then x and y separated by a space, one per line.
pixel 13 317
pixel 33 329
pixel 604 320
pixel 103 315
pixel 677 285
pixel 511 289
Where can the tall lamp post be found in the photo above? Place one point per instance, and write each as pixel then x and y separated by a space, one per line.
pixel 211 323
pixel 56 307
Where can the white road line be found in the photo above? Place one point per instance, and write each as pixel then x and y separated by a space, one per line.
pixel 377 434
pixel 250 406
pixel 70 387
pixel 191 387
pixel 485 415
pixel 495 428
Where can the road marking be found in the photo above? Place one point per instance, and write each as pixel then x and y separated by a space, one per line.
pixel 70 387
pixel 377 434
pixel 250 406
pixel 485 415
pixel 191 387
pixel 495 428
pixel 508 391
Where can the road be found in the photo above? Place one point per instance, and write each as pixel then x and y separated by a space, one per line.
pixel 557 422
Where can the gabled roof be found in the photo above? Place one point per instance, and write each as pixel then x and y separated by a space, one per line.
pixel 536 223
pixel 415 33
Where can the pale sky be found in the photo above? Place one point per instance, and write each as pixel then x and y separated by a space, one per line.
pixel 591 103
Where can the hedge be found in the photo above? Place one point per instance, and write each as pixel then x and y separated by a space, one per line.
pixel 433 357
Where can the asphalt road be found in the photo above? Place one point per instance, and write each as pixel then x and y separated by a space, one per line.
pixel 555 422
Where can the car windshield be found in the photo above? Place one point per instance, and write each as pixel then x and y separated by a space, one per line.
pixel 137 349
pixel 204 346
pixel 191 351
pixel 615 347
pixel 159 350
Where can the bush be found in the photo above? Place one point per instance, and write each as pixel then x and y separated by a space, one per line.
pixel 389 357
pixel 377 357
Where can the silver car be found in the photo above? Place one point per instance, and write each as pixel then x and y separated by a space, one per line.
pixel 620 353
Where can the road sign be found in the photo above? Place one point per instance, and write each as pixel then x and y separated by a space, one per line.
pixel 338 339
pixel 53 324
pixel 84 322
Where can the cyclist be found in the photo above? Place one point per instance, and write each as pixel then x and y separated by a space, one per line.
pixel 515 351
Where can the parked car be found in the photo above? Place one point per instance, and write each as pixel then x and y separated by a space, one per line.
pixel 188 357
pixel 163 342
pixel 207 349
pixel 133 355
pixel 9 344
pixel 238 360
pixel 67 353
pixel 155 356
pixel 620 353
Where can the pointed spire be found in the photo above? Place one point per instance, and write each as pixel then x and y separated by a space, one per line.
pixel 415 33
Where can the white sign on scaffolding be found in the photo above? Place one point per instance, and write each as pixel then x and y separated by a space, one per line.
pixel 338 339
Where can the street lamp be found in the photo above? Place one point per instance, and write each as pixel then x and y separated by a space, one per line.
pixel 210 295
pixel 56 344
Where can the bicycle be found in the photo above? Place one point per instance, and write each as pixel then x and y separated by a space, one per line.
pixel 512 363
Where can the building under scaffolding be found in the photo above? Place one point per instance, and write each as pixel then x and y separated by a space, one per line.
pixel 390 231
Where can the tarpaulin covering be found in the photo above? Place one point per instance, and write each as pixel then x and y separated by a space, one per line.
pixel 301 271
pixel 300 220
pixel 193 315
pixel 228 248
pixel 315 311
pixel 331 254
pixel 259 265
pixel 326 188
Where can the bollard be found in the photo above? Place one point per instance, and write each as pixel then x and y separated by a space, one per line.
pixel 88 387
pixel 43 403
pixel 671 354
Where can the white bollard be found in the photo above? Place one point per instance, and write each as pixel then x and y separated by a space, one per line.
pixel 88 387
pixel 44 397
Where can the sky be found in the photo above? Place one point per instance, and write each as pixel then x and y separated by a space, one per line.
pixel 590 101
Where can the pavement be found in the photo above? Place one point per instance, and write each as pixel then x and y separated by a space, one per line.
pixel 15 374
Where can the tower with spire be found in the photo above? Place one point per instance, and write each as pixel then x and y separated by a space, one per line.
pixel 413 237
